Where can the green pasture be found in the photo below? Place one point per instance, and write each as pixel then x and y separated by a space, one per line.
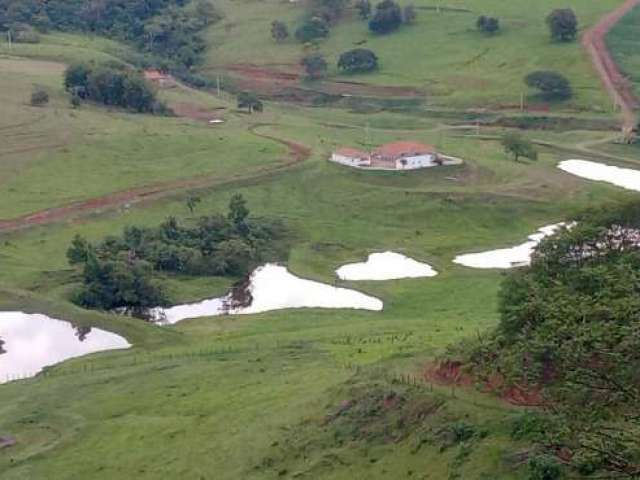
pixel 442 53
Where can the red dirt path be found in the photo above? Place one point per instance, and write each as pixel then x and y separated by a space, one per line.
pixel 297 153
pixel 618 87
pixel 276 82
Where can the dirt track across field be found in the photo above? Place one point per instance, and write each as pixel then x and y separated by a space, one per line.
pixel 617 85
pixel 297 153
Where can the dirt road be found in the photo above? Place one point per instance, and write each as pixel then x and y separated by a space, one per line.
pixel 618 87
pixel 297 153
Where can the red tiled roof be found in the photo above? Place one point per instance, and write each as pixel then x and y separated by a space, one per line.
pixel 399 149
pixel 351 152
pixel 155 75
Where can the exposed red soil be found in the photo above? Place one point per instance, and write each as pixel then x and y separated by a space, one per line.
pixel 287 83
pixel 450 372
pixel 297 153
pixel 197 112
pixel 617 85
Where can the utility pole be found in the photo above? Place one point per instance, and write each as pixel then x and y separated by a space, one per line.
pixel 218 85
pixel 522 102
pixel 9 37
pixel 367 135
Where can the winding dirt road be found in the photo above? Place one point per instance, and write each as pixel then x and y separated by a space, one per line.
pixel 297 153
pixel 616 84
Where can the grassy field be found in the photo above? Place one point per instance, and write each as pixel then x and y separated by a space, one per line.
pixel 257 397
pixel 55 154
pixel 453 63
pixel 623 43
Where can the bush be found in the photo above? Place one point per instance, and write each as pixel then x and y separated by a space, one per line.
pixel 388 17
pixel 26 34
pixel 312 29
pixel 552 85
pixel 359 60
pixel 563 24
pixel 315 65
pixel 489 25
pixel 39 97
pixel 544 467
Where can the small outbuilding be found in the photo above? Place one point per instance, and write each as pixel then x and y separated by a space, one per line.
pixel 351 157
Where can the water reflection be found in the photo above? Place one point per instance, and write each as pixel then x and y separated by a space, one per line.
pixel 33 341
pixel 272 287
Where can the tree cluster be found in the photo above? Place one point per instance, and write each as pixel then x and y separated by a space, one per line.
pixel 165 28
pixel 359 60
pixel 552 85
pixel 113 86
pixel 570 328
pixel 121 271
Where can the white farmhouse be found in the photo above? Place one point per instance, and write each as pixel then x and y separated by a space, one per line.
pixel 405 156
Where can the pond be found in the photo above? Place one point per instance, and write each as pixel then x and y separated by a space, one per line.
pixel 385 266
pixel 512 257
pixel 271 287
pixel 621 177
pixel 33 341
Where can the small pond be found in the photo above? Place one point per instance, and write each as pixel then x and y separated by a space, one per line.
pixel 512 257
pixel 33 341
pixel 385 266
pixel 271 287
pixel 621 177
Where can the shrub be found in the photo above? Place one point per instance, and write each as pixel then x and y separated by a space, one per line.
pixel 312 29
pixel 552 85
pixel 39 97
pixel 544 467
pixel 279 31
pixel 563 24
pixel 518 146
pixel 388 17
pixel 358 60
pixel 489 25
pixel 364 8
pixel 315 65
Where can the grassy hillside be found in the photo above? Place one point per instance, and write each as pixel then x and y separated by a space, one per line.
pixel 442 54
pixel 316 394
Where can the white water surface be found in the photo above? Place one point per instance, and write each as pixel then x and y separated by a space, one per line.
pixel 385 266
pixel 273 287
pixel 512 257
pixel 622 177
pixel 35 341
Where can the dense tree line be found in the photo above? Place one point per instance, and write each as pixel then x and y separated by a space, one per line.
pixel 121 271
pixel 570 329
pixel 112 85
pixel 165 28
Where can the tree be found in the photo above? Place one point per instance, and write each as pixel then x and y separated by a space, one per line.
pixel 518 146
pixel 315 65
pixel 552 85
pixel 39 97
pixel 388 17
pixel 76 76
pixel 563 24
pixel 250 101
pixel 312 29
pixel 358 60
pixel 489 25
pixel 364 8
pixel 79 250
pixel 279 31
pixel 238 211
pixel 409 14
pixel 192 201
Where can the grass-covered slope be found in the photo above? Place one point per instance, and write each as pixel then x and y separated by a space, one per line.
pixel 442 53
pixel 623 42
